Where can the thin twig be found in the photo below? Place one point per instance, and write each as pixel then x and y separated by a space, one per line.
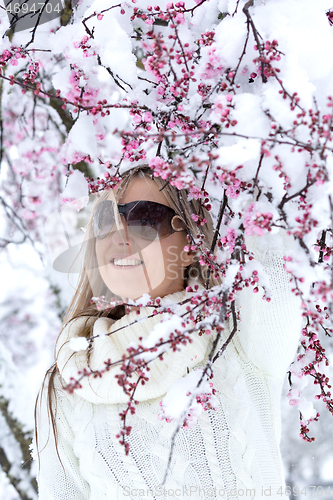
pixel 322 244
pixel 216 233
pixel 37 23
pixel 256 35
pixel 286 198
pixel 232 333
pixel 243 53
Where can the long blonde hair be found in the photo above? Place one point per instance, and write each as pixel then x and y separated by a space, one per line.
pixel 81 305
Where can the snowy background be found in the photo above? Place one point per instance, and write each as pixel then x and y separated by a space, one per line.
pixel 95 96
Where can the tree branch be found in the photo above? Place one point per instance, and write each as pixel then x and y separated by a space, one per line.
pixel 216 233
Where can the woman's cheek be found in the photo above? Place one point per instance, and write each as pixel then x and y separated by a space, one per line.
pixel 100 249
pixel 173 263
pixel 154 267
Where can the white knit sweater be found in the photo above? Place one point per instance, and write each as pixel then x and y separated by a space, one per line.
pixel 232 452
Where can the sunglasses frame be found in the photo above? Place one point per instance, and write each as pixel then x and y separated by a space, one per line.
pixel 122 210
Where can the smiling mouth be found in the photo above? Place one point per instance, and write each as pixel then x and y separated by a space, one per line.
pixel 126 262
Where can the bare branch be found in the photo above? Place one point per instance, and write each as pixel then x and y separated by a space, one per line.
pixel 37 23
pixel 216 233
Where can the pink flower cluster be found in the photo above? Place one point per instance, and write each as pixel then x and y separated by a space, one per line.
pixel 222 107
pixel 229 239
pixel 268 54
pixel 279 168
pixel 81 94
pixel 173 13
pixel 131 143
pixel 214 66
pixel 161 168
pixel 256 222
pixel 304 220
pixel 231 183
pixel 207 38
pixel 85 46
pixel 157 61
pixel 12 56
pixel 140 118
pixel 200 221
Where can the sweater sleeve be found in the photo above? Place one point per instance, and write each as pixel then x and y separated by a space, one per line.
pixel 268 332
pixel 58 467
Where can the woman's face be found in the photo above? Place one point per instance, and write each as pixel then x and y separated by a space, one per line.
pixel 131 266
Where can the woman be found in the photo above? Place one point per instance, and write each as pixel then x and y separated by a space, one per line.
pixel 232 451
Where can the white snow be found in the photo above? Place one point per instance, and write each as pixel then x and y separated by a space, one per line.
pixel 78 344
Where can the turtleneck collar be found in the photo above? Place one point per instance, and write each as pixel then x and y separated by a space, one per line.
pixel 111 344
pixel 146 311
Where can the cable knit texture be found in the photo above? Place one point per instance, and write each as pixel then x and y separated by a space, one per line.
pixel 124 333
pixel 232 452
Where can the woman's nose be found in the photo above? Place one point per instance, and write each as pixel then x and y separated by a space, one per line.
pixel 119 235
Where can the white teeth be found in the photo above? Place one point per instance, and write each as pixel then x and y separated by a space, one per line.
pixel 126 262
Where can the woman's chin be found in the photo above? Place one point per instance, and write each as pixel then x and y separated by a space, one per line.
pixel 129 294
pixel 133 289
pixel 134 292
pixel 132 285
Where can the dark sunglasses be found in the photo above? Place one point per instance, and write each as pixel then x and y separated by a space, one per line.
pixel 147 219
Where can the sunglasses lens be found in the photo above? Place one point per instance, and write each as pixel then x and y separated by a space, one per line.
pixel 146 219
pixel 149 220
pixel 103 219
